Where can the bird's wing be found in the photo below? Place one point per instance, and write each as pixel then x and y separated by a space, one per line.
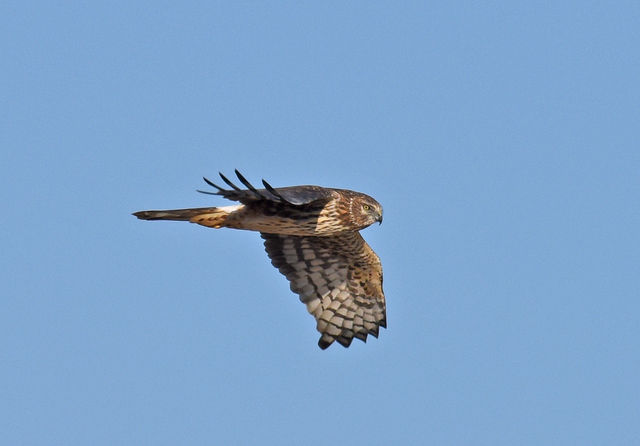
pixel 339 278
pixel 293 195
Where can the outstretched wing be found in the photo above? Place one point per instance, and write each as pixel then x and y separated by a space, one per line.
pixel 293 195
pixel 339 278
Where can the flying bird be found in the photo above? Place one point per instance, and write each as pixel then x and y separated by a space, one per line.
pixel 311 235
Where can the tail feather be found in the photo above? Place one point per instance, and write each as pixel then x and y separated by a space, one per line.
pixel 173 214
pixel 211 217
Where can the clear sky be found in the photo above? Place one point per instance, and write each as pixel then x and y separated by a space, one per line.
pixel 502 139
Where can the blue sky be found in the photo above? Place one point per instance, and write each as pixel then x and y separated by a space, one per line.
pixel 501 139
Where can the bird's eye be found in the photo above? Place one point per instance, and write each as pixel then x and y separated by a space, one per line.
pixel 366 207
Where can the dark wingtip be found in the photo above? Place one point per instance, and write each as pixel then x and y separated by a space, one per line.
pixel 274 192
pixel 207 192
pixel 243 180
pixel 226 180
pixel 268 187
pixel 249 186
pixel 212 184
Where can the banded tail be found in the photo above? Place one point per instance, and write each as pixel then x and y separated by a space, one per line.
pixel 211 217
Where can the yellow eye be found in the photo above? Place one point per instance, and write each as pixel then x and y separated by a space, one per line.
pixel 366 207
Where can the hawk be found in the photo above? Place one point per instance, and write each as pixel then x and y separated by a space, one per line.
pixel 311 234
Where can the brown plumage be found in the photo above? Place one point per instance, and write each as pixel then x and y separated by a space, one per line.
pixel 311 235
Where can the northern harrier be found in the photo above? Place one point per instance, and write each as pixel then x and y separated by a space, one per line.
pixel 311 235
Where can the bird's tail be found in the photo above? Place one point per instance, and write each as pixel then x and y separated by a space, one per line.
pixel 212 217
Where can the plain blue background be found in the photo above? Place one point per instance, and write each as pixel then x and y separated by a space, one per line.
pixel 500 137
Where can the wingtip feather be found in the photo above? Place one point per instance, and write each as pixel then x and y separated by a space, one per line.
pixel 212 184
pixel 274 192
pixel 226 180
pixel 249 186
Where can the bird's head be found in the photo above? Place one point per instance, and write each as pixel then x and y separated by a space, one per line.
pixel 368 210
